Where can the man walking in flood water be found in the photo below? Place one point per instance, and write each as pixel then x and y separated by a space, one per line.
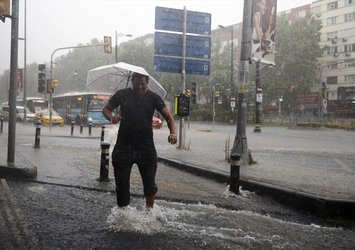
pixel 135 137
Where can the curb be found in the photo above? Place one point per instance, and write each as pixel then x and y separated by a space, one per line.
pixel 317 205
pixel 15 171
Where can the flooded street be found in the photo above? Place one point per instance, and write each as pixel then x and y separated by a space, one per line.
pixel 63 217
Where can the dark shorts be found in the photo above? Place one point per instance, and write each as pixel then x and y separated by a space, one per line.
pixel 122 160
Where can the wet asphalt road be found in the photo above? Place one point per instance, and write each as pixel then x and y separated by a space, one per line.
pixel 43 216
pixel 65 208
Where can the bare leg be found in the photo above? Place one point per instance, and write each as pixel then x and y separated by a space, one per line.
pixel 149 200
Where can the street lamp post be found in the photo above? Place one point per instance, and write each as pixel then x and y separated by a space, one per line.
pixel 214 103
pixel 280 101
pixel 117 34
pixel 257 100
pixel 51 76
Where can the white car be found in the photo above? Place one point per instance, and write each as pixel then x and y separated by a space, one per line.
pixel 20 113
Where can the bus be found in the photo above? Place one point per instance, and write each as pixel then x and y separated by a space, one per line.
pixel 81 107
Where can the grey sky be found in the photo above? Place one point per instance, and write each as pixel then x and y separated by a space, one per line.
pixel 52 24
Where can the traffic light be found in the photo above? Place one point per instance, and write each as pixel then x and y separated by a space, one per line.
pixel 182 105
pixel 51 85
pixel 216 95
pixel 4 9
pixel 107 44
pixel 193 92
pixel 54 83
pixel 41 78
pixel 188 92
pixel 292 88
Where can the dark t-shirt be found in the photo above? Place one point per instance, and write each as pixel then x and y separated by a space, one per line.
pixel 137 114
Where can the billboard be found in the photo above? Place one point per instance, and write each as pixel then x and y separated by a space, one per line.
pixel 264 31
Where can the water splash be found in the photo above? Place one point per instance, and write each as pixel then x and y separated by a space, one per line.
pixel 134 219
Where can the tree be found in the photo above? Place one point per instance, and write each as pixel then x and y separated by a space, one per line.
pixel 298 51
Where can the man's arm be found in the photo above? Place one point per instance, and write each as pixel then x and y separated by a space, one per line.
pixel 107 112
pixel 171 125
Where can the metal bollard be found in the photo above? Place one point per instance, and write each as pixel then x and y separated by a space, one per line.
pixel 38 135
pixel 90 124
pixel 2 124
pixel 235 173
pixel 105 154
pixel 72 128
pixel 103 133
pixel 81 128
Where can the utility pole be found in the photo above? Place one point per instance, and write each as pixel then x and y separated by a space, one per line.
pixel 12 89
pixel 240 145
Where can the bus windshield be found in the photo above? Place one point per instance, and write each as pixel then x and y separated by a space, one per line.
pixel 81 107
pixel 98 102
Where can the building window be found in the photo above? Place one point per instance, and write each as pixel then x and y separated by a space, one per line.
pixel 349 2
pixel 332 5
pixel 349 78
pixel 332 50
pixel 349 32
pixel 332 35
pixel 349 17
pixel 331 21
pixel 332 80
pixel 333 66
pixel 349 47
pixel 350 63
pixel 316 10
pixel 301 14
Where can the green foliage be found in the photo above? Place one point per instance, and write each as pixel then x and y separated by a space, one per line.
pixel 298 50
pixel 297 53
pixel 309 124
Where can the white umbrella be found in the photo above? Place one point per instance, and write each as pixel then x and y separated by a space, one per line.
pixel 117 76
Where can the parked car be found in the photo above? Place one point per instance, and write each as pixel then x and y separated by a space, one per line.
pixel 156 122
pixel 43 117
pixel 20 113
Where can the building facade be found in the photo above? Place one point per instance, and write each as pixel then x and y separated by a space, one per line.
pixel 337 66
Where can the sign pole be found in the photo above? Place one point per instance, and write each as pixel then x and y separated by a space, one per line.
pixel 182 129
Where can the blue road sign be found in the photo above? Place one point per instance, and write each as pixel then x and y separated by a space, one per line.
pixel 167 44
pixel 172 20
pixel 170 44
pixel 198 23
pixel 174 65
pixel 167 64
pixel 198 47
pixel 168 19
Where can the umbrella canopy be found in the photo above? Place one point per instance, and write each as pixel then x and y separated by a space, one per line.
pixel 117 76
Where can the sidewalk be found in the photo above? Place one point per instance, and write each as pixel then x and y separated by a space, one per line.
pixel 276 175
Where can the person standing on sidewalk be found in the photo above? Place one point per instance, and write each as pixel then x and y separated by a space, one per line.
pixel 135 137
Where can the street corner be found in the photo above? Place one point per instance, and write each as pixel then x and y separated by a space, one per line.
pixel 18 171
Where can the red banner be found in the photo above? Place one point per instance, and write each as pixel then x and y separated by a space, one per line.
pixel 307 99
